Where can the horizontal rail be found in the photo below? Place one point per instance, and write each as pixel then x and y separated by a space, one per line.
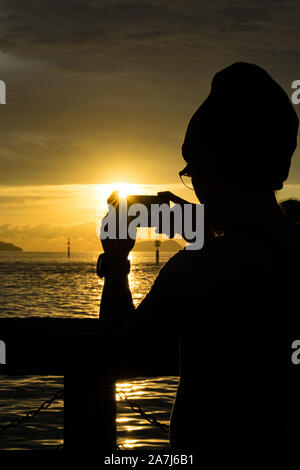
pixel 58 345
pixel 91 356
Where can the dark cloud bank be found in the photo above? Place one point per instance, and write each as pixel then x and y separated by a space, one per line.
pixel 100 84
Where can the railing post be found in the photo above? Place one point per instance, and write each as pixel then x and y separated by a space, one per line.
pixel 89 412
pixel 90 406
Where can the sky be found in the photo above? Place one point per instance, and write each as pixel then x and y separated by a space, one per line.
pixel 102 91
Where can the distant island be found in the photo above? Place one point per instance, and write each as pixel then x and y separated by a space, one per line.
pixel 166 245
pixel 9 247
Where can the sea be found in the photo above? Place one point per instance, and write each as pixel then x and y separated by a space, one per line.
pixel 40 284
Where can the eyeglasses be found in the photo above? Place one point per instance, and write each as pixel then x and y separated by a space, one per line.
pixel 186 177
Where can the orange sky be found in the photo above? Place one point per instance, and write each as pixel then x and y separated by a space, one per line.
pixel 100 92
pixel 41 218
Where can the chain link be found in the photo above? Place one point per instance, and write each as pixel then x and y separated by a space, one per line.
pixel 60 394
pixel 147 416
pixel 31 414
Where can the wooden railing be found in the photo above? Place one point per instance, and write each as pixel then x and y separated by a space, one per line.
pixel 91 357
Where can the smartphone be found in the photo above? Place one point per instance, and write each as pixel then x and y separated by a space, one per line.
pixel 146 202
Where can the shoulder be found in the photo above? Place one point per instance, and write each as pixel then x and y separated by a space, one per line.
pixel 186 263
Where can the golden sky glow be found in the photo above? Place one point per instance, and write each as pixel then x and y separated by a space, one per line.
pixel 107 100
pixel 41 218
pixel 124 189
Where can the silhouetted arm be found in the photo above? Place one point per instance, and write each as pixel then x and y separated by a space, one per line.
pixel 158 318
pixel 149 333
pixel 116 303
pixel 158 307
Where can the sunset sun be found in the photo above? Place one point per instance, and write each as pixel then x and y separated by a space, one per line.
pixel 124 189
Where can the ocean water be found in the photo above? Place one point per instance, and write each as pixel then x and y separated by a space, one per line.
pixel 50 285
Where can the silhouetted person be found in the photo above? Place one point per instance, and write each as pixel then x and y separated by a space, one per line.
pixel 291 208
pixel 231 303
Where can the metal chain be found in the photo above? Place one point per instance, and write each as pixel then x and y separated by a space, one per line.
pixel 60 394
pixel 31 414
pixel 150 418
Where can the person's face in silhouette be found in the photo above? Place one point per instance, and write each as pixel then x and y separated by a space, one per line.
pixel 206 189
pixel 206 177
pixel 209 192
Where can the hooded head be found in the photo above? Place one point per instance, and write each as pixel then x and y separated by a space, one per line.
pixel 244 132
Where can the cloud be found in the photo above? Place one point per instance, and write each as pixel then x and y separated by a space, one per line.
pixel 103 90
pixel 110 35
pixel 47 231
pixel 63 205
pixel 45 237
pixel 42 218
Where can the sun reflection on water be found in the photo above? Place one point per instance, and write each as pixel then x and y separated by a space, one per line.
pixel 73 289
pixel 129 443
pixel 155 396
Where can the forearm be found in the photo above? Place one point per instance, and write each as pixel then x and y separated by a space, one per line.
pixel 116 303
pixel 116 313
